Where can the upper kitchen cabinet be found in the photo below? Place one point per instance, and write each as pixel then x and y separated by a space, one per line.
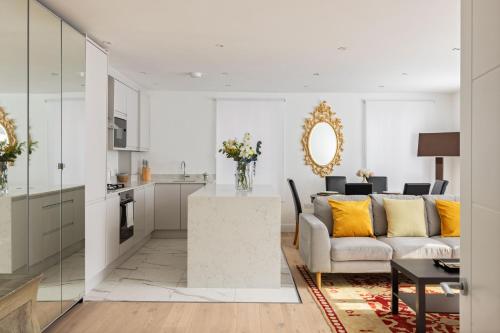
pixel 144 121
pixel 132 119
pixel 118 97
pixel 124 117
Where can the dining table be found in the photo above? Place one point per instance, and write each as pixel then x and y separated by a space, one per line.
pixel 328 193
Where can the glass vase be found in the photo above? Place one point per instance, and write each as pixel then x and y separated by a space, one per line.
pixel 3 177
pixel 244 176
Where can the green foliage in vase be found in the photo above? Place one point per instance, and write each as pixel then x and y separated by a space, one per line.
pixel 9 153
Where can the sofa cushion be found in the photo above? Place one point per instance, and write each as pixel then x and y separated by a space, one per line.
pixel 433 220
pixel 379 216
pixel 417 248
pixel 323 210
pixel 453 242
pixel 359 248
pixel 352 218
pixel 405 218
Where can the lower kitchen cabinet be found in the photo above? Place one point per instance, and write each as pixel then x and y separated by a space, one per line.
pixel 139 214
pixel 167 206
pixel 149 194
pixel 171 205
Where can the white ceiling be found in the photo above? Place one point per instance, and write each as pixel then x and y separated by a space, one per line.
pixel 277 45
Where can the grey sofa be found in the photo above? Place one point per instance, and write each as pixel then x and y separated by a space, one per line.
pixel 324 254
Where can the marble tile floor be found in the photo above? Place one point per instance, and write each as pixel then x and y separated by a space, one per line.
pixel 157 272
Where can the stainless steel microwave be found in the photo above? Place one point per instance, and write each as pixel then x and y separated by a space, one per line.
pixel 120 133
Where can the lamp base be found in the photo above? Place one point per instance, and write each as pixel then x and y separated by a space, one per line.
pixel 439 168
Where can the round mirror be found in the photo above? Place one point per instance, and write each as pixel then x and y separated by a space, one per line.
pixel 323 140
pixel 3 135
pixel 322 143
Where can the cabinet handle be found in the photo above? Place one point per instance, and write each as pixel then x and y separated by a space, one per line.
pixel 58 203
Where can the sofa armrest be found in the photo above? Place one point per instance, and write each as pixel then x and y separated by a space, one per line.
pixel 314 243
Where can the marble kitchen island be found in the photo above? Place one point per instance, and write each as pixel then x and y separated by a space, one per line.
pixel 234 238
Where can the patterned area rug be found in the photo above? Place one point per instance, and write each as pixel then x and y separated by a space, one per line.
pixel 362 303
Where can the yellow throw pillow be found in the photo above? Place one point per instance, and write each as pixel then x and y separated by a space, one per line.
pixel 449 213
pixel 405 218
pixel 351 218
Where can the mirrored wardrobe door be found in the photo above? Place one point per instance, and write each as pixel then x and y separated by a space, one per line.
pixel 13 138
pixel 73 178
pixel 44 143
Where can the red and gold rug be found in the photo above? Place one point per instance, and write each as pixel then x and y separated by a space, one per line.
pixel 362 303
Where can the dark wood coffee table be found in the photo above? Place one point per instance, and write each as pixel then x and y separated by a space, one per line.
pixel 422 272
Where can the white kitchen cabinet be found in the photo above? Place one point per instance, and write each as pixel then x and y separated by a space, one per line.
pixel 119 98
pixel 171 205
pixel 149 194
pixel 186 189
pixel 139 214
pixel 96 87
pixel 112 228
pixel 95 236
pixel 167 206
pixel 132 119
pixel 144 121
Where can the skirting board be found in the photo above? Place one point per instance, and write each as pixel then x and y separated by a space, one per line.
pixel 99 277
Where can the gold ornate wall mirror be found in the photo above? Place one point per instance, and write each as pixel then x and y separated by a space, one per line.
pixel 7 129
pixel 323 140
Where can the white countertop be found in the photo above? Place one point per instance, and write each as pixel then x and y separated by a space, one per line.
pixel 160 179
pixel 229 191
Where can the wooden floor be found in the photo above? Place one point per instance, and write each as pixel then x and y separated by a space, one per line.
pixel 200 317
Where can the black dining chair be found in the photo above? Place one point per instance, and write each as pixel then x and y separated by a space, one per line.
pixel 298 209
pixel 417 188
pixel 336 183
pixel 358 188
pixel 379 183
pixel 439 187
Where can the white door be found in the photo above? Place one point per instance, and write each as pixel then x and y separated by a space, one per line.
pixel 480 162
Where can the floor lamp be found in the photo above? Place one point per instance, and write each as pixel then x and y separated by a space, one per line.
pixel 439 145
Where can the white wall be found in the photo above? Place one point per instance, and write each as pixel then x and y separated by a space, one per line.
pixel 183 128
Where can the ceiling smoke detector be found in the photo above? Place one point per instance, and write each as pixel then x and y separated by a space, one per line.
pixel 196 75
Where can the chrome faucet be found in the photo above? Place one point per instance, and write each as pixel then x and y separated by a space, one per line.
pixel 183 167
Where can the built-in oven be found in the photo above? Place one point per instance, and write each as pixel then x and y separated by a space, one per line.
pixel 126 215
pixel 120 132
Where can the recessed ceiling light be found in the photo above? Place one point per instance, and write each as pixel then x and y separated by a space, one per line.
pixel 196 75
pixel 82 74
pixel 306 86
pixel 341 48
pixel 227 85
pixel 224 73
pixel 143 73
pixel 54 74
pixel 404 74
pixel 455 49
pixel 316 74
pixel 219 45
pixel 381 86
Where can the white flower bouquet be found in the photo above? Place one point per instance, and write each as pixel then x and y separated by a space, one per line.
pixel 365 174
